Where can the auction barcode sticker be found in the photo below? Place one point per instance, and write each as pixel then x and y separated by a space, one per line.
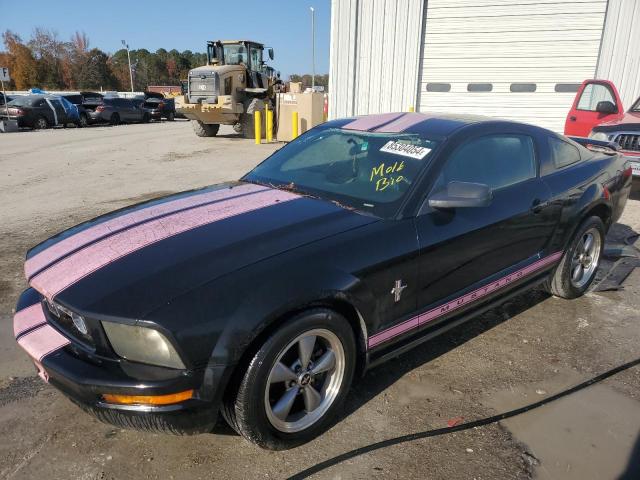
pixel 405 149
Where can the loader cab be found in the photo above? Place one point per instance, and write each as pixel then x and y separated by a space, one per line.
pixel 246 53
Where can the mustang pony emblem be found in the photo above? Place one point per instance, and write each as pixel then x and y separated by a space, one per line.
pixel 396 291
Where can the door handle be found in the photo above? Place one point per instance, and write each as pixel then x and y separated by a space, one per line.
pixel 538 205
pixel 572 118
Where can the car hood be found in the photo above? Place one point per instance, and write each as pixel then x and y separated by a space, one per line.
pixel 132 261
pixel 630 121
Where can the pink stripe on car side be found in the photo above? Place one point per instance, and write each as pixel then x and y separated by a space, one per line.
pixel 28 318
pixel 91 234
pixel 70 269
pixel 441 310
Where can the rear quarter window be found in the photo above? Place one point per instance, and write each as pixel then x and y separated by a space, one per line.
pixel 563 153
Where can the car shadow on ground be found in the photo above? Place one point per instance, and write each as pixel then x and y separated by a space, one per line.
pixel 632 471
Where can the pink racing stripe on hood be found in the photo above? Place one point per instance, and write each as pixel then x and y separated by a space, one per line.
pixel 42 341
pixel 70 269
pixel 96 232
pixel 28 318
pixel 402 123
pixel 369 122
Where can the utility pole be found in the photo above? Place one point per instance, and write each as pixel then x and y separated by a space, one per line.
pixel 313 49
pixel 124 44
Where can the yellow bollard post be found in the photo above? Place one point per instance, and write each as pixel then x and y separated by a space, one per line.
pixel 269 124
pixel 294 125
pixel 258 126
pixel 411 109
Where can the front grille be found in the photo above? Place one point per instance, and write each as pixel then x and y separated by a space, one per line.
pixel 629 141
pixel 61 318
pixel 203 88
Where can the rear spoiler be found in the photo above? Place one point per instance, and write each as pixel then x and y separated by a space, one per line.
pixel 597 145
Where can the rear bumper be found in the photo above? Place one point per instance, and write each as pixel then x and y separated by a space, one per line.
pixel 85 378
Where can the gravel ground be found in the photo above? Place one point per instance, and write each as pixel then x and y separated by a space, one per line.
pixel 529 348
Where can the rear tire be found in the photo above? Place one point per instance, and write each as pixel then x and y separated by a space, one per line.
pixel 205 129
pixel 41 123
pixel 577 269
pixel 279 402
pixel 115 119
pixel 83 122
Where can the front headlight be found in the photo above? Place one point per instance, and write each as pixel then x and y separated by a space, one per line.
pixel 600 136
pixel 141 344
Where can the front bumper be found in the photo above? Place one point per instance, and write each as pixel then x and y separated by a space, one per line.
pixel 84 378
pixel 634 160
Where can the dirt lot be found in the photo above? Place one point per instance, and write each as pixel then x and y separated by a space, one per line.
pixel 530 348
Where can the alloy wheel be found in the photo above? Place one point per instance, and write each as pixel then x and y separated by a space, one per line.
pixel 305 380
pixel 585 258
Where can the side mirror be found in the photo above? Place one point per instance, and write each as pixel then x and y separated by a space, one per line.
pixel 270 52
pixel 606 107
pixel 462 195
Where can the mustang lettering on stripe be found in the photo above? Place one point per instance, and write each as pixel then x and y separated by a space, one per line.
pixel 87 260
pixel 109 227
pixel 456 303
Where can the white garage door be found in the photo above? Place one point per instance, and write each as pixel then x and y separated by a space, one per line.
pixel 513 59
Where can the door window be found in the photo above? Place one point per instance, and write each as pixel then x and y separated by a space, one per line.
pixel 256 58
pixel 494 160
pixel 592 94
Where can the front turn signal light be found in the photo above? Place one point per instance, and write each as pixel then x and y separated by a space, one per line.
pixel 148 399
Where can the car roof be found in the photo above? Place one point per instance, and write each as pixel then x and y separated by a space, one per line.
pixel 440 124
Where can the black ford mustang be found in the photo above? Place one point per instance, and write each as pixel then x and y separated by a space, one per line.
pixel 261 298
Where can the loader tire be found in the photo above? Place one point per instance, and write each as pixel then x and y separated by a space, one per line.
pixel 247 119
pixel 205 129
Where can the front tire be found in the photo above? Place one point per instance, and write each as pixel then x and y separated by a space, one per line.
pixel 205 129
pixel 577 269
pixel 296 382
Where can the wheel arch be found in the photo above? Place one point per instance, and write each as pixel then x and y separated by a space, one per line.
pixel 335 302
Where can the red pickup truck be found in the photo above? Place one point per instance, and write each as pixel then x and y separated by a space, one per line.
pixel 597 112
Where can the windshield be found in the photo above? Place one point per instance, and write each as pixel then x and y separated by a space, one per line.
pixel 636 106
pixel 370 172
pixel 235 54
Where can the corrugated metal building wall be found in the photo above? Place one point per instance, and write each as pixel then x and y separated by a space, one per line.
pixel 375 51
pixel 620 51
pixel 516 59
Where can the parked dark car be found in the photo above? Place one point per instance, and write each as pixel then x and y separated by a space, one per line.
pixel 159 107
pixel 119 110
pixel 40 111
pixel 86 102
pixel 263 298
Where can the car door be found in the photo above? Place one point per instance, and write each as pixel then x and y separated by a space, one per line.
pixel 464 248
pixel 596 102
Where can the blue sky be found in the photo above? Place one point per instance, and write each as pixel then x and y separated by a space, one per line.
pixel 284 25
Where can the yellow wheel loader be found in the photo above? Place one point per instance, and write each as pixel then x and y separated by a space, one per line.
pixel 228 90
